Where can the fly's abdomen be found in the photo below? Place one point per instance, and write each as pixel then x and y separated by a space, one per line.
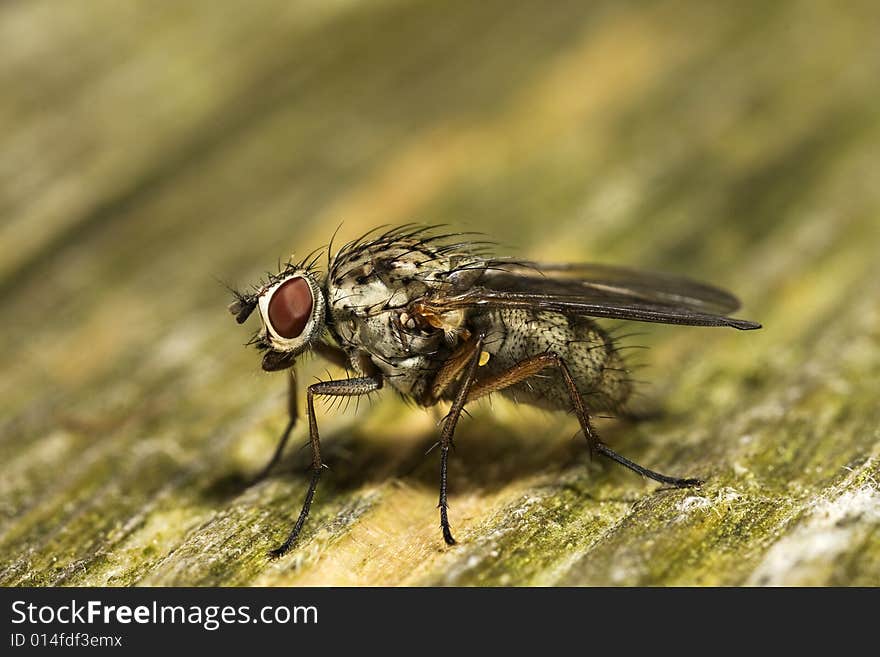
pixel 588 351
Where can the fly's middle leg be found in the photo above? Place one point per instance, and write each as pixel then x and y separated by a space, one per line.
pixel 534 365
pixel 450 421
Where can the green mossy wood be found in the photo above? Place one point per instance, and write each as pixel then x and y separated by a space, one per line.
pixel 149 149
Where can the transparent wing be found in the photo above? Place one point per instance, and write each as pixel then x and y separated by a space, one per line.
pixel 634 283
pixel 599 291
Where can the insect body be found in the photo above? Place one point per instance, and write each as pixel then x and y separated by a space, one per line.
pixel 441 321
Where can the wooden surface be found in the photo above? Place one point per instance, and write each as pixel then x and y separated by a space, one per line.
pixel 150 149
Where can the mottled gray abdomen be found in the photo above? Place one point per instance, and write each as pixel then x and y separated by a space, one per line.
pixel 598 370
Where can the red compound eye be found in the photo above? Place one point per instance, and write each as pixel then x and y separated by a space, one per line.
pixel 290 308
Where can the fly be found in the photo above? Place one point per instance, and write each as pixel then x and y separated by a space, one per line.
pixel 439 319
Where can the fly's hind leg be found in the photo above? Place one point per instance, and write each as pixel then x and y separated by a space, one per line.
pixel 534 365
pixel 596 444
pixel 341 388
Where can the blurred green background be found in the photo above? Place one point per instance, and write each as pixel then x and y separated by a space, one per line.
pixel 149 149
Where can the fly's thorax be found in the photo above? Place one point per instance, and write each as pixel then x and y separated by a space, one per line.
pixel 375 294
pixel 372 315
pixel 374 298
pixel 403 262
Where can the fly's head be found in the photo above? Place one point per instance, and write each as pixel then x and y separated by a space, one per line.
pixel 291 308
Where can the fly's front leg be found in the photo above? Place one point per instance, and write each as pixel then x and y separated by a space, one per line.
pixel 326 351
pixel 293 416
pixel 341 388
pixel 534 365
pixel 448 431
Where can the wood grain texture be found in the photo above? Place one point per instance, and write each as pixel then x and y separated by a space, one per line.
pixel 150 149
